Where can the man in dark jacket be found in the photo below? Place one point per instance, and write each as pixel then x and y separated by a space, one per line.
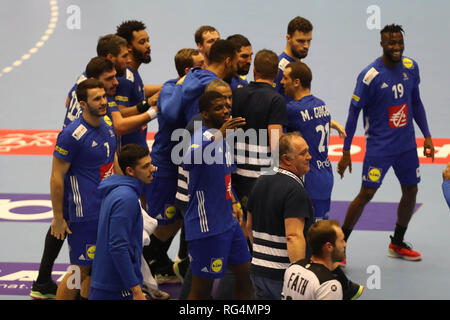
pixel 116 270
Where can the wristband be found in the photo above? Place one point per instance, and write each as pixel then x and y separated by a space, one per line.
pixel 142 106
pixel 152 113
pixel 238 204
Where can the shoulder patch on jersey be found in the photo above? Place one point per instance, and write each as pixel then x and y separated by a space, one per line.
pixel 408 63
pixel 370 75
pixel 107 120
pixel 121 98
pixel 79 132
pixel 130 75
pixel 61 151
pixel 355 97
pixel 193 146
pixel 283 63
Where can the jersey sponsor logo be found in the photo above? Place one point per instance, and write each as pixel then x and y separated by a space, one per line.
pixel 228 186
pixel 405 76
pixel 90 251
pixel 398 116
pixel 130 75
pixel 216 265
pixel 61 151
pixel 333 288
pixel 79 132
pixel 384 85
pixel 408 63
pixel 208 135
pixel 374 174
pixel 106 170
pixel 170 211
pixel 283 63
pixel 94 144
pixel 370 75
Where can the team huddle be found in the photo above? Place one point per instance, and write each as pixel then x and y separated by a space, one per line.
pixel 240 168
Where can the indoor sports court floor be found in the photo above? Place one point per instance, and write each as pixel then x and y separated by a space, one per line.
pixel 46 45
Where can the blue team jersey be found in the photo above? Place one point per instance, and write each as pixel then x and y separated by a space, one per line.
pixel 130 92
pixel 386 96
pixel 238 82
pixel 90 151
pixel 284 61
pixel 192 88
pixel 163 145
pixel 311 117
pixel 74 109
pixel 210 209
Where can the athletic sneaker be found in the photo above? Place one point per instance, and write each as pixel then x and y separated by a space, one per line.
pixel 180 267
pixel 155 294
pixel 164 273
pixel 353 292
pixel 403 251
pixel 43 291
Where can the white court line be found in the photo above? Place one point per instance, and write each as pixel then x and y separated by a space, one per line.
pixel 51 26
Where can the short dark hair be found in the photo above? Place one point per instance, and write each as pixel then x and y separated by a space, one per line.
pixel 239 41
pixel 220 50
pixel 206 99
pixel 126 28
pixel 97 66
pixel 392 28
pixel 301 71
pixel 130 155
pixel 198 36
pixel 183 59
pixel 84 86
pixel 266 64
pixel 320 233
pixel 111 43
pixel 299 24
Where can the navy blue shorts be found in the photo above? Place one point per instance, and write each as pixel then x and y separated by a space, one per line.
pixel 405 165
pixel 210 256
pixel 82 242
pixel 160 197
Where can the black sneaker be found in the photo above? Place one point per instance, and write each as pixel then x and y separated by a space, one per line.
pixel 43 291
pixel 353 292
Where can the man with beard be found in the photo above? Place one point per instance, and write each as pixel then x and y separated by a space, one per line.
pixel 131 90
pixel 388 93
pixel 84 154
pixel 215 238
pixel 245 54
pixel 311 279
pixel 102 69
pixel 204 37
pixel 298 40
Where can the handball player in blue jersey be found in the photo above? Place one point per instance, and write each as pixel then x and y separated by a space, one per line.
pixel 311 117
pixel 298 41
pixel 214 235
pixel 131 96
pixel 160 195
pixel 387 91
pixel 84 152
